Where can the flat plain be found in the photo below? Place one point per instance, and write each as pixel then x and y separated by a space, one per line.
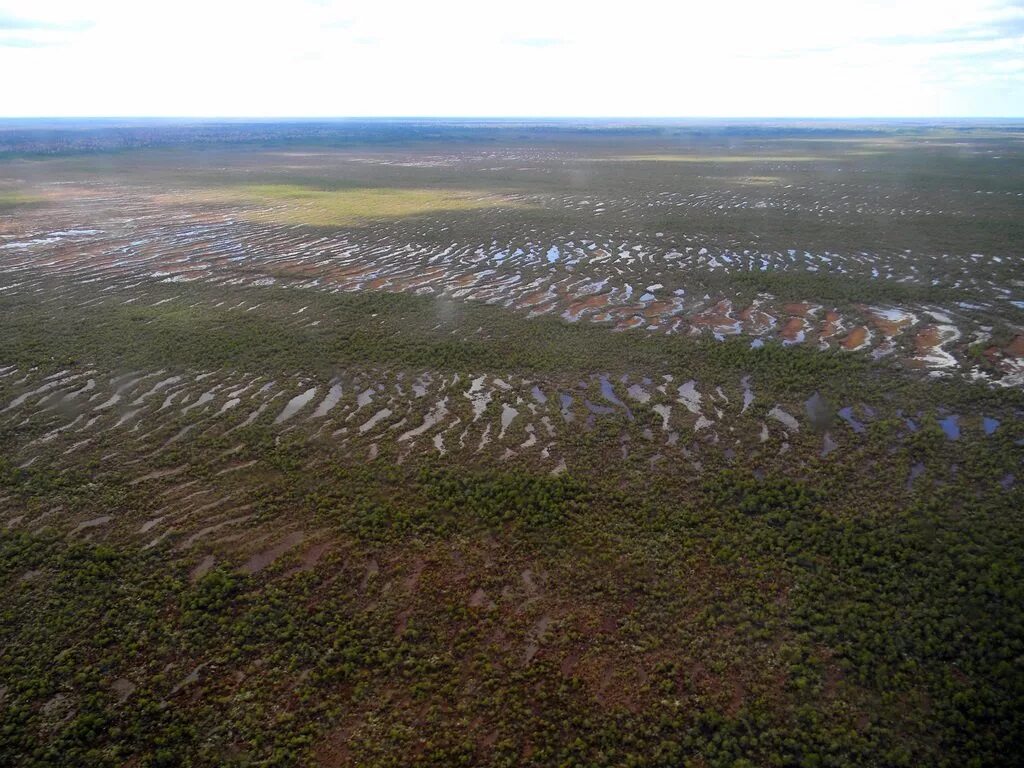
pixel 497 443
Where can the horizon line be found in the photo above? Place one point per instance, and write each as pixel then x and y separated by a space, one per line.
pixel 506 117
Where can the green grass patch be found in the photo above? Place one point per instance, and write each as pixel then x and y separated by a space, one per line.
pixel 10 199
pixel 297 204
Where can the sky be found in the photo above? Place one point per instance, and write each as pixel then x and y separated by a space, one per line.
pixel 340 58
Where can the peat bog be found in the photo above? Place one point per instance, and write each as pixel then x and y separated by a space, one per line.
pixel 512 444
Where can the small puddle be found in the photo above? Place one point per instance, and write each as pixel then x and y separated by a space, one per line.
pixel 485 438
pixel 508 414
pixel 664 411
pixel 846 414
pixel 951 426
pixel 295 405
pixel 689 396
pixel 911 424
pixel 419 387
pixel 819 412
pixel 252 417
pixel 600 410
pixel 566 400
pixel 229 405
pixel 364 398
pixel 203 400
pixel 787 420
pixel 478 397
pixel 329 401
pixel 748 393
pixel 608 393
pixel 156 388
pixel 439 412
pixel 638 393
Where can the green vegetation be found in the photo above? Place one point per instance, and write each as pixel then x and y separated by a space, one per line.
pixel 187 578
pixel 403 331
pixel 295 204
pixel 358 328
pixel 11 200
pixel 775 622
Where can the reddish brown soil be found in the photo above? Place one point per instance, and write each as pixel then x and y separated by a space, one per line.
pixel 856 337
pixel 1016 347
pixel 792 328
pixel 580 306
pixel 926 339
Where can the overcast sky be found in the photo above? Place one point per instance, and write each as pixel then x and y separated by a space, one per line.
pixel 519 57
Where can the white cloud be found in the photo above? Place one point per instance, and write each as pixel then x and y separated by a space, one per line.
pixel 456 57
